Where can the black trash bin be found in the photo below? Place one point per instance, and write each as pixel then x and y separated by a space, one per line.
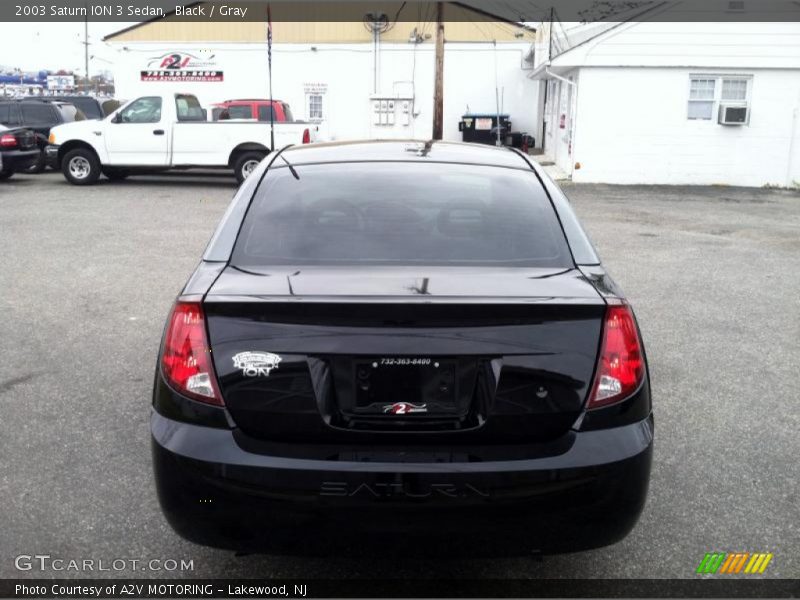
pixel 481 128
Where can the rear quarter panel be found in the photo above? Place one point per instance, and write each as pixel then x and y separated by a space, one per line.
pixel 211 143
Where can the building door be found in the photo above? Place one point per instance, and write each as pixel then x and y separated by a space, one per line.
pixel 550 122
pixel 563 127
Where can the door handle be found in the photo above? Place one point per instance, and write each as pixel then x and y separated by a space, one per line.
pixel 158 132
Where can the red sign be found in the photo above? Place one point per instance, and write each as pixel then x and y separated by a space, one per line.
pixel 182 75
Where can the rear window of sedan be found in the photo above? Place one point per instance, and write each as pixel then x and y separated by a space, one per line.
pixel 412 213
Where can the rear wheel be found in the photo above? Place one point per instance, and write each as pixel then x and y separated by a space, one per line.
pixel 246 163
pixel 81 167
pixel 115 174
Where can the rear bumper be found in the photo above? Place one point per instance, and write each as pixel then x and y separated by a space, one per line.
pixel 51 156
pixel 215 493
pixel 17 160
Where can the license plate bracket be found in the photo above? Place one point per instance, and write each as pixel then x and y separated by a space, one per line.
pixel 406 387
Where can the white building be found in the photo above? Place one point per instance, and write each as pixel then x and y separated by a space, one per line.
pixel 647 102
pixel 337 71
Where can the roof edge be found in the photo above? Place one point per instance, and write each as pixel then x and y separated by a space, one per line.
pixel 480 11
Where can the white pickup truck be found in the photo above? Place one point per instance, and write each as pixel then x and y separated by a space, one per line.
pixel 161 132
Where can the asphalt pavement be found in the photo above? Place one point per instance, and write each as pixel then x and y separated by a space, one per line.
pixel 88 276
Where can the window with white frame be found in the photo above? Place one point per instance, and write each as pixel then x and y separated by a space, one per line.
pixel 707 91
pixel 734 90
pixel 701 98
pixel 314 104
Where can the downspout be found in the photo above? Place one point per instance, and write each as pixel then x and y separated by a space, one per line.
pixel 790 154
pixel 374 58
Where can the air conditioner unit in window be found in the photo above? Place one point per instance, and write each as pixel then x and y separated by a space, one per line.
pixel 734 114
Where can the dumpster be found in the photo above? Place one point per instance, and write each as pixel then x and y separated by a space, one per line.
pixel 481 128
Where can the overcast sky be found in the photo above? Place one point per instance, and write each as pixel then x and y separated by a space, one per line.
pixel 34 46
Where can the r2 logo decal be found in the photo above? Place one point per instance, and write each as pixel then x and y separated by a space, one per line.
pixel 404 408
pixel 174 61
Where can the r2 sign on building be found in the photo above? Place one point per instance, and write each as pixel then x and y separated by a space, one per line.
pixel 182 66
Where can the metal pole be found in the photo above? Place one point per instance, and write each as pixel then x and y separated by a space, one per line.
pixel 496 95
pixel 86 50
pixel 269 67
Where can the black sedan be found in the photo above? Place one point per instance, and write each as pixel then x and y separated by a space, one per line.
pixel 389 342
pixel 18 150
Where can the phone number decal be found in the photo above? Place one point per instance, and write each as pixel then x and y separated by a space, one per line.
pixel 405 361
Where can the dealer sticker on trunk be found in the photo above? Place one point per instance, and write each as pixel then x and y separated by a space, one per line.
pixel 256 364
pixel 404 408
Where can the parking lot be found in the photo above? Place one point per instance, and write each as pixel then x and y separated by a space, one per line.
pixel 88 276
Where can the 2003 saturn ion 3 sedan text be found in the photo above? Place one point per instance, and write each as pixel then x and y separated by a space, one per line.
pixel 399 340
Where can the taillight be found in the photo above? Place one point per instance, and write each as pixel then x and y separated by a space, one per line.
pixel 306 136
pixel 8 140
pixel 186 357
pixel 620 368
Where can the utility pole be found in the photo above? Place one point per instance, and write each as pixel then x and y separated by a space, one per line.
pixel 438 86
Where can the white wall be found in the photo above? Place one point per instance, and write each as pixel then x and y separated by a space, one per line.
pixel 347 69
pixel 632 127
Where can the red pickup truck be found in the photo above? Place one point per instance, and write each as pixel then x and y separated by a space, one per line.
pixel 252 108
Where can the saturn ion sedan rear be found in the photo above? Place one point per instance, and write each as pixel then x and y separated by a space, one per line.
pixel 394 341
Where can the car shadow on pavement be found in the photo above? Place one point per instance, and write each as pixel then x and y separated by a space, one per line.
pixel 205 179
pixel 165 181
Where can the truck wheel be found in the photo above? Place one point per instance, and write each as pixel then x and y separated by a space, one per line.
pixel 245 164
pixel 115 174
pixel 81 167
pixel 5 174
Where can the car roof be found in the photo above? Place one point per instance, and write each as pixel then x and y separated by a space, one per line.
pixel 275 100
pixel 35 101
pixel 73 97
pixel 246 101
pixel 405 151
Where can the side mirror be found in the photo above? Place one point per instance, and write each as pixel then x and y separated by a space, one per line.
pixel 117 118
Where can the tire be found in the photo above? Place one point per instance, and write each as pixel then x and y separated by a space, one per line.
pixel 81 167
pixel 245 163
pixel 38 166
pixel 5 174
pixel 115 174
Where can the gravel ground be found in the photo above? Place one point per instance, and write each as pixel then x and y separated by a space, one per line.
pixel 90 274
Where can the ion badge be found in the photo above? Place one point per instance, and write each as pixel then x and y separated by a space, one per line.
pixel 255 364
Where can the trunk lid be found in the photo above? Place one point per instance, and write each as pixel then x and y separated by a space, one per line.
pixel 26 139
pixel 425 355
